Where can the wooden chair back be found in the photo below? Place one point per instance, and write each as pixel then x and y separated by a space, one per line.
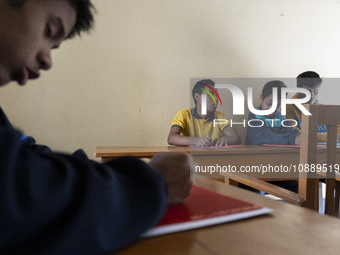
pixel 328 115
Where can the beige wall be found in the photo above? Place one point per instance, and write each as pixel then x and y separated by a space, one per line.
pixel 123 84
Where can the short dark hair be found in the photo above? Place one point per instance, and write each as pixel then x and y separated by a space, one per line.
pixel 85 21
pixel 84 9
pixel 201 85
pixel 268 88
pixel 310 79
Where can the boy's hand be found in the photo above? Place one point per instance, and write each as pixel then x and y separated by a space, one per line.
pixel 205 141
pixel 175 168
pixel 222 141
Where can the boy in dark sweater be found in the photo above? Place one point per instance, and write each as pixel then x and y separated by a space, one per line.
pixel 272 128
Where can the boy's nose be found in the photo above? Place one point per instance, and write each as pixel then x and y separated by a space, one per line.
pixel 44 59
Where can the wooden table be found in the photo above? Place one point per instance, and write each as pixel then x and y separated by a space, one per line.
pixel 110 152
pixel 247 156
pixel 288 230
pixel 239 164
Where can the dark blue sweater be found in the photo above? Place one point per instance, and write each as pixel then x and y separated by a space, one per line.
pixel 53 203
pixel 271 132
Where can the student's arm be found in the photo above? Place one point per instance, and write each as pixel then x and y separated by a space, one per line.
pixel 293 132
pixel 51 203
pixel 27 142
pixel 175 138
pixel 231 137
pixel 263 135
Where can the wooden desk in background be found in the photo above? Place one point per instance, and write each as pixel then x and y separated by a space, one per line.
pixel 110 152
pixel 238 158
pixel 251 155
pixel 288 230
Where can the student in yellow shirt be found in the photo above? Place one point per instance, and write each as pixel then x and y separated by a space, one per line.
pixel 191 127
pixel 311 81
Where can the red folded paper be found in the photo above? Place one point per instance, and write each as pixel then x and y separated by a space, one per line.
pixel 203 208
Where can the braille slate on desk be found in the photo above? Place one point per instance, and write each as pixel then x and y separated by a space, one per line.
pixel 204 208
pixel 216 147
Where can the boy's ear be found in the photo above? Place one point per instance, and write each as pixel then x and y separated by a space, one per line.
pixel 261 98
pixel 196 96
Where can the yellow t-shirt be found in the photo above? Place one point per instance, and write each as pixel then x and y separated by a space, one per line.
pixel 194 126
